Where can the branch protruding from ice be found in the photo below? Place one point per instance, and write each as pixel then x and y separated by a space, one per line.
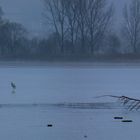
pixel 131 103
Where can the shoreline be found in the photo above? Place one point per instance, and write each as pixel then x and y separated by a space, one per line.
pixel 82 64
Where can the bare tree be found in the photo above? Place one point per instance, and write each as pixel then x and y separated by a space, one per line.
pixel 71 17
pixel 55 13
pixel 98 19
pixel 11 36
pixel 17 33
pixel 1 14
pixel 131 28
pixel 114 44
pixel 81 21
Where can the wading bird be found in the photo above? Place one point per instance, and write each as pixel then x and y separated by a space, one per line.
pixel 13 85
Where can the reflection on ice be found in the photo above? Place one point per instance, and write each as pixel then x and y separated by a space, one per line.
pixel 107 105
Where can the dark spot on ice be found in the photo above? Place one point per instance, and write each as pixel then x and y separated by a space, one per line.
pixel 119 118
pixel 127 121
pixel 49 125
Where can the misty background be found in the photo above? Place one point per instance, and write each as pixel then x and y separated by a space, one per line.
pixel 38 39
pixel 29 13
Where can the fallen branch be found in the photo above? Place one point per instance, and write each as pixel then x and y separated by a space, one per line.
pixel 131 103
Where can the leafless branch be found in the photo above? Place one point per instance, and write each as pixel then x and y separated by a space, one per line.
pixel 130 103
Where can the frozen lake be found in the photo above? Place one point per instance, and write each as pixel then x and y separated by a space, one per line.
pixel 64 97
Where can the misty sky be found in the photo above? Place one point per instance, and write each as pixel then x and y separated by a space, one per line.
pixel 26 12
pixel 29 13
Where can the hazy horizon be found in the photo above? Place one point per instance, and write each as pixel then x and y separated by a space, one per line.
pixel 29 13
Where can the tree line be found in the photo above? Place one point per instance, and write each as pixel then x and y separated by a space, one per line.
pixel 78 28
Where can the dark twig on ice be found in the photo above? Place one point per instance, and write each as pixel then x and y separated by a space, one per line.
pixel 131 103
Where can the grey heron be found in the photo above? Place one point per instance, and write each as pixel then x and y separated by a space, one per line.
pixel 13 85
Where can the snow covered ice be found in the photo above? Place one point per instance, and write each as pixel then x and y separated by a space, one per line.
pixel 64 97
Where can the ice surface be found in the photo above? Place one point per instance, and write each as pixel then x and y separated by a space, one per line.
pixel 64 97
pixel 67 84
pixel 68 124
